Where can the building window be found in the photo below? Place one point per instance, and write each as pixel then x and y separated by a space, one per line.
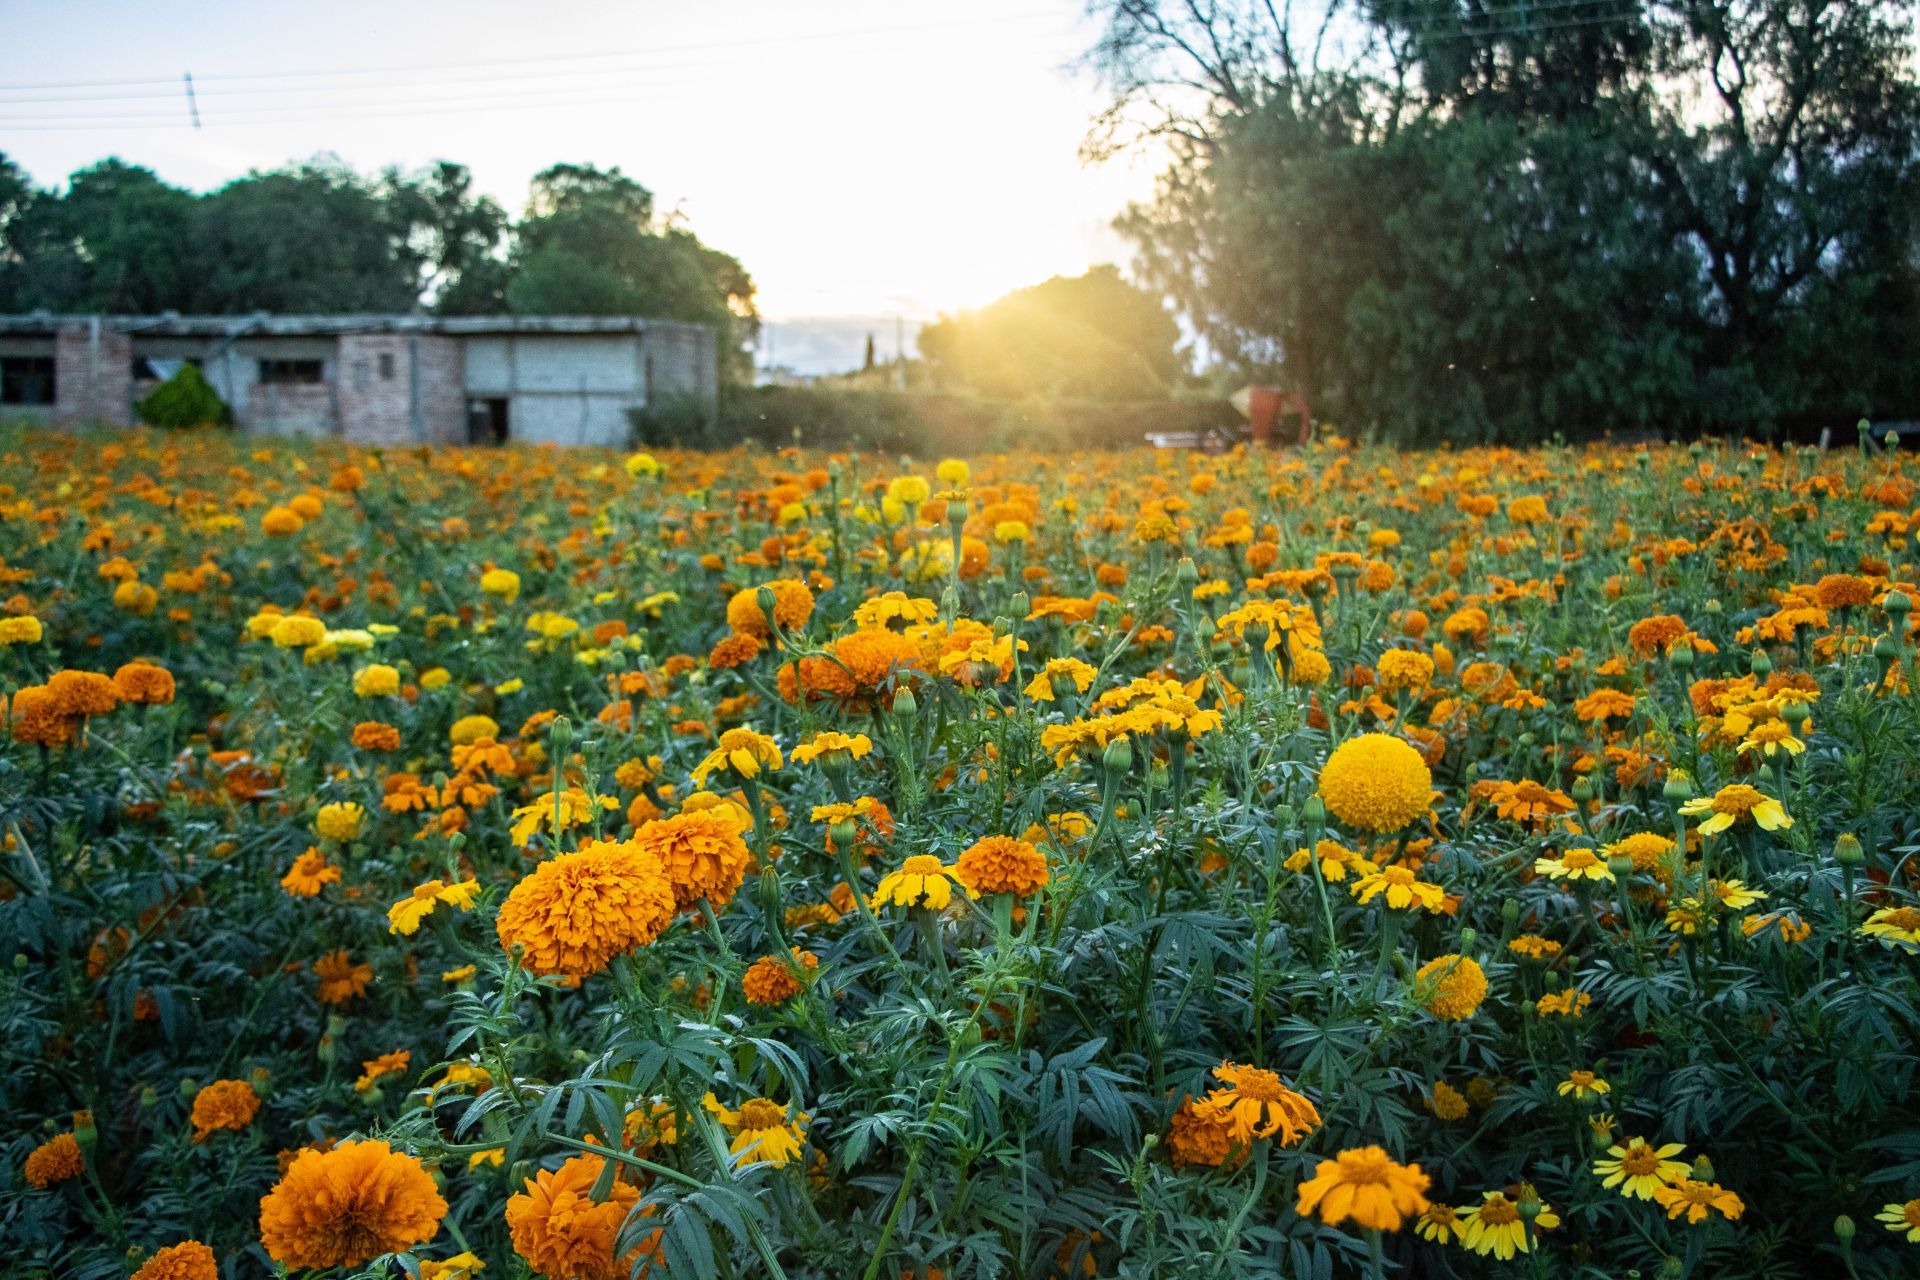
pixel 26 379
pixel 386 366
pixel 285 371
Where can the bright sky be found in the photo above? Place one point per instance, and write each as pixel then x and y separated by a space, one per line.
pixel 862 158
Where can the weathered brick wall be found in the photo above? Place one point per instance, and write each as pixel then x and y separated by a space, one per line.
pixel 401 389
pixel 92 376
pixel 290 409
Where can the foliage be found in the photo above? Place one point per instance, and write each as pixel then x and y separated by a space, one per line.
pixel 1481 222
pixel 1606 760
pixel 186 399
pixel 1088 337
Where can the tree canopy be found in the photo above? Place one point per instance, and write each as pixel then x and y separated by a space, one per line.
pixel 319 237
pixel 1093 336
pixel 1495 219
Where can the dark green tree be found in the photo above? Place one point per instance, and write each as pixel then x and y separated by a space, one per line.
pixel 456 236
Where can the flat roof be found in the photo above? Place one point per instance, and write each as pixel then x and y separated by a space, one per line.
pixel 266 324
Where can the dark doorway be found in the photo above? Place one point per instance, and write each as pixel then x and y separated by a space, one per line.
pixel 487 421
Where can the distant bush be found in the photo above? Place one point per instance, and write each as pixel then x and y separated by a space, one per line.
pixel 921 423
pixel 186 399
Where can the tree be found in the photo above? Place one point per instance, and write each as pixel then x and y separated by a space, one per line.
pixel 1093 336
pixel 589 246
pixel 456 236
pixel 1499 220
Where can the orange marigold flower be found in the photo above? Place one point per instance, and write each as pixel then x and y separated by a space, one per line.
pixel 1255 1104
pixel 343 1207
pixel 83 693
pixel 701 853
pixel 771 980
pixel 578 911
pixel 144 683
pixel 1451 987
pixel 340 978
pixel 561 1231
pixel 1001 864
pixel 792 606
pixel 375 735
pixel 55 1160
pixel 1199 1134
pixel 188 1260
pixel 224 1104
pixel 1366 1185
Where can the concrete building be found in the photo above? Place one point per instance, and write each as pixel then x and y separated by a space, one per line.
pixel 375 379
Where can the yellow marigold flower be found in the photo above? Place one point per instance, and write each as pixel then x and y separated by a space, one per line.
pixel 377 680
pixel 644 464
pixel 1451 987
pixel 1534 947
pixel 953 472
pixel 1566 1004
pixel 762 1131
pixel 469 729
pixel 559 1229
pixel 349 1205
pixel 1366 1185
pixel 504 583
pixel 1697 1200
pixel 281 522
pixel 1001 864
pixel 1376 782
pixel 462 974
pixel 921 881
pixel 578 911
pixel 461 1266
pixel 1648 850
pixel 405 915
pixel 1735 895
pixel 1689 916
pixel 1439 1223
pixel 309 873
pixel 1574 864
pixel 1337 861
pixel 1895 926
pixel 1902 1219
pixel 188 1260
pixel 1446 1102
pixel 836 748
pixel 1639 1168
pixel 24 629
pixel 224 1104
pixel 297 631
pixel 1769 737
pixel 572 808
pixel 742 750
pixel 895 606
pixel 1040 688
pixel 909 490
pixel 339 821
pixel 1495 1225
pixel 771 980
pixel 439 678
pixel 1406 669
pixel 55 1160
pixel 1403 890
pixel 1736 802
pixel 701 852
pixel 1581 1085
pixel 1255 1104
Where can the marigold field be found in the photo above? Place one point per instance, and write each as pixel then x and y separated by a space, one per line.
pixel 1329 863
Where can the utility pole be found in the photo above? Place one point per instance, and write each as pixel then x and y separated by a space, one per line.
pixel 899 353
pixel 193 106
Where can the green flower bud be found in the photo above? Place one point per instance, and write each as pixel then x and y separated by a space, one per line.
pixel 1759 663
pixel 767 601
pixel 1847 850
pixel 188 1087
pixel 1467 938
pixel 1283 816
pixel 560 733
pixel 1314 811
pixel 1681 657
pixel 1583 788
pixel 1118 757
pixel 1843 1227
pixel 1021 605
pixel 1510 911
pixel 1187 573
pixel 1702 1169
pixel 905 705
pixel 149 1096
pixel 1678 788
pixel 1897 603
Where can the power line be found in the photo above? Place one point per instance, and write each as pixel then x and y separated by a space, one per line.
pixel 705 46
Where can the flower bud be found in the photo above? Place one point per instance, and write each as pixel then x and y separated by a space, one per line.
pixel 1679 787
pixel 1759 663
pixel 843 834
pixel 1847 851
pixel 1283 816
pixel 1681 657
pixel 1702 1169
pixel 1118 757
pixel 905 705
pixel 188 1087
pixel 1510 911
pixel 1021 605
pixel 768 602
pixel 149 1096
pixel 1187 573
pixel 1583 788
pixel 1897 603
pixel 1314 811
pixel 1843 1227
pixel 1467 938
pixel 560 733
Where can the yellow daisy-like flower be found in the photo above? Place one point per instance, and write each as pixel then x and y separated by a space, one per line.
pixel 1736 802
pixel 1495 1225
pixel 1574 864
pixel 1439 1223
pixel 573 808
pixel 762 1131
pixel 921 881
pixel 744 751
pixel 1735 894
pixel 1902 1219
pixel 1583 1084
pixel 832 748
pixel 1255 1104
pixel 1337 862
pixel 1769 737
pixel 404 916
pixel 1040 688
pixel 461 1266
pixel 1697 1200
pixel 1639 1168
pixel 1895 926
pixel 1404 890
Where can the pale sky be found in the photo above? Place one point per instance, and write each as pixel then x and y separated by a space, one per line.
pixel 864 159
